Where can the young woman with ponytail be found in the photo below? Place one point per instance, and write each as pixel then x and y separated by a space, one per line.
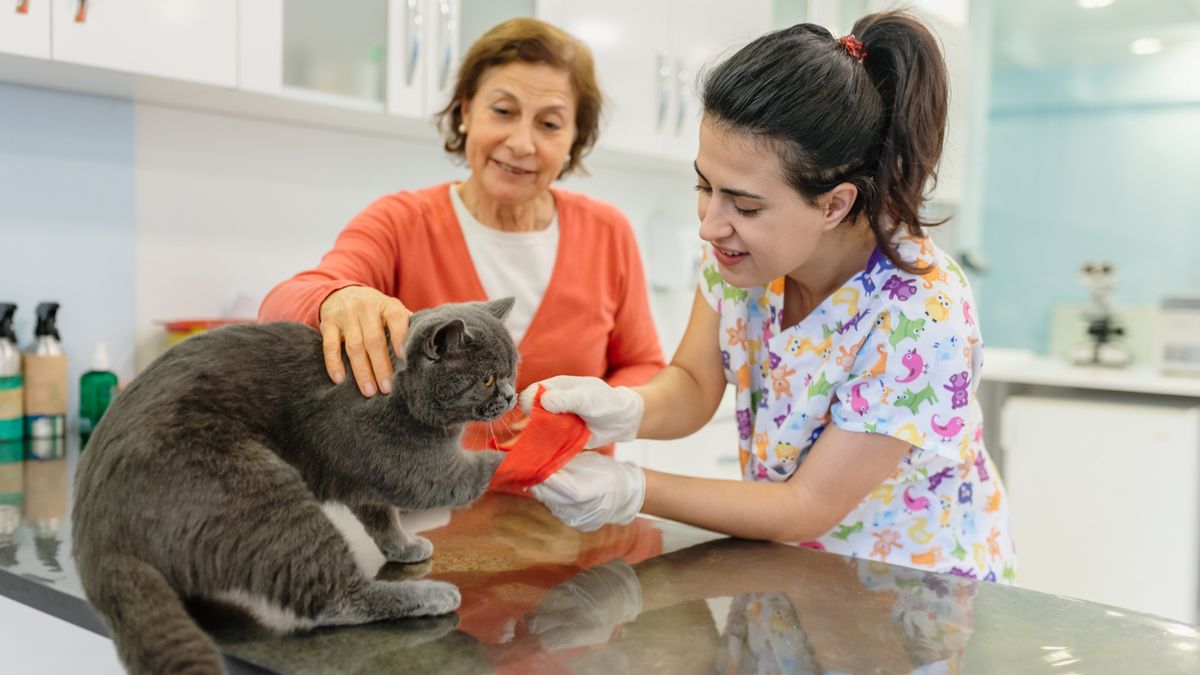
pixel 851 339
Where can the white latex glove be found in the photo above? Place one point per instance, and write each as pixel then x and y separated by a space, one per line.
pixel 586 608
pixel 612 414
pixel 592 491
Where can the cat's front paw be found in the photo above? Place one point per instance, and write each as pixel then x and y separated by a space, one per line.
pixel 435 597
pixel 416 549
pixel 490 461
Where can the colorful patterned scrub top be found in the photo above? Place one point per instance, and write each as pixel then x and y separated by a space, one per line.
pixel 888 353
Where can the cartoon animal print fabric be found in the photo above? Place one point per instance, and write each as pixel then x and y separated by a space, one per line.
pixel 888 353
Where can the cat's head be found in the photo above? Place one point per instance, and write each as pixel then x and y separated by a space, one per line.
pixel 460 363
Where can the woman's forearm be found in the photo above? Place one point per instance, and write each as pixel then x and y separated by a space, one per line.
pixel 676 405
pixel 299 298
pixel 767 511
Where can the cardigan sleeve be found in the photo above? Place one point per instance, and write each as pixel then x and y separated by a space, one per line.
pixel 634 351
pixel 366 253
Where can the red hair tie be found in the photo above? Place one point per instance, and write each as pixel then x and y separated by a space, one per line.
pixel 854 47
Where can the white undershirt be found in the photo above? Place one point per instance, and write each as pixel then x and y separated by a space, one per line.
pixel 516 264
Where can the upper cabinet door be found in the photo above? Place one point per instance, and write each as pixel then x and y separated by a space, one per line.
pixel 434 36
pixel 407 56
pixel 633 65
pixel 648 67
pixel 193 40
pixel 442 31
pixel 334 53
pixel 425 55
pixel 396 55
pixel 25 28
pixel 704 33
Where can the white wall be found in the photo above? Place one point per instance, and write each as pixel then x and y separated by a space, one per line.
pixel 226 207
pixel 66 220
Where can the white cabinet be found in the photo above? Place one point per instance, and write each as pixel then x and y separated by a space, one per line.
pixel 194 40
pixel 1105 498
pixel 648 67
pixel 632 64
pixel 423 67
pixel 703 33
pixel 396 55
pixel 25 28
pixel 335 52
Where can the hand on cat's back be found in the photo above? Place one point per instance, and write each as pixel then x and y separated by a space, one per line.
pixel 356 317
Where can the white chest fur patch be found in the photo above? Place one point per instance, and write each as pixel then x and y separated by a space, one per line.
pixel 268 614
pixel 366 554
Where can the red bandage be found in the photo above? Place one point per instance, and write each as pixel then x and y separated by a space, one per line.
pixel 547 443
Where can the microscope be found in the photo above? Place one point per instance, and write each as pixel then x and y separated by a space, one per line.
pixel 1102 326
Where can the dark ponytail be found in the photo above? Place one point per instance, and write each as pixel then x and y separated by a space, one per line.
pixel 877 122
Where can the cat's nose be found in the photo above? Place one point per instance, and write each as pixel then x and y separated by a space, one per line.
pixel 509 397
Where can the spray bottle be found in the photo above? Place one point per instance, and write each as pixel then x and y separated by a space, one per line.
pixel 45 378
pixel 12 397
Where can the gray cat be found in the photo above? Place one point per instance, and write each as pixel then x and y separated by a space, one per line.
pixel 205 479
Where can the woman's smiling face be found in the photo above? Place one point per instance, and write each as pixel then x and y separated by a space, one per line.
pixel 520 127
pixel 759 226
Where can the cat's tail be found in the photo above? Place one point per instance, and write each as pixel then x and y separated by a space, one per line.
pixel 148 621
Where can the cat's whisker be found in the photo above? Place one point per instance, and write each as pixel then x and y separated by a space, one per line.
pixel 507 427
pixel 492 439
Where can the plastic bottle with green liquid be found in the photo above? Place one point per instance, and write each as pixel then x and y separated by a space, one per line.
pixel 96 390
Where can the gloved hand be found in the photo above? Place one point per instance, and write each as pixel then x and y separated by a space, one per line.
pixel 586 608
pixel 612 414
pixel 592 491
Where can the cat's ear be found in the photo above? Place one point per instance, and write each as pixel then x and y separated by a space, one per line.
pixel 500 308
pixel 446 339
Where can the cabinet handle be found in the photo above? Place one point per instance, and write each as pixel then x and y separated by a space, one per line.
pixel 446 28
pixel 81 12
pixel 22 6
pixel 681 93
pixel 414 41
pixel 664 89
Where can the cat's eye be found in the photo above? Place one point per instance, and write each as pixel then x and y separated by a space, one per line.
pixel 489 380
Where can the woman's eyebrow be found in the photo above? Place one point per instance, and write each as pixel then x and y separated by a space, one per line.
pixel 733 192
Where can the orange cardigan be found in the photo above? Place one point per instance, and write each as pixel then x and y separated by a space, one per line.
pixel 594 319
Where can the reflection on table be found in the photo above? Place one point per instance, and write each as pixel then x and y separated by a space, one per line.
pixel 33 507
pixel 654 596
pixel 659 597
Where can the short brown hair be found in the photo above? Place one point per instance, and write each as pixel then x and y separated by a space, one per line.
pixel 527 40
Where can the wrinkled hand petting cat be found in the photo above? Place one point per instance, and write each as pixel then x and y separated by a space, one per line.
pixel 206 477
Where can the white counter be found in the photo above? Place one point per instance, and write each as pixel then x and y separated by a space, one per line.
pixel 1010 366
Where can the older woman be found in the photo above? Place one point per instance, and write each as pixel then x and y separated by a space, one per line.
pixel 525 111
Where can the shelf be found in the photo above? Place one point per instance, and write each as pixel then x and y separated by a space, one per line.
pixel 291 106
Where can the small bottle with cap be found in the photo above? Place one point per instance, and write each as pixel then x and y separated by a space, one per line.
pixel 96 390
pixel 12 403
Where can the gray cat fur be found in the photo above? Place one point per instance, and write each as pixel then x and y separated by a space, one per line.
pixel 206 477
